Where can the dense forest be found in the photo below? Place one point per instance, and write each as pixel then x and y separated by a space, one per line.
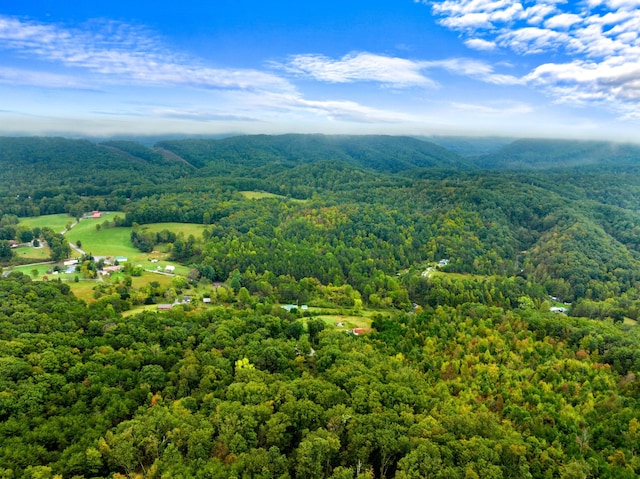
pixel 458 257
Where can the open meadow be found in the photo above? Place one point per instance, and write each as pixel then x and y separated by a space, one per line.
pixel 178 228
pixel 104 241
pixel 34 255
pixel 261 195
pixel 56 222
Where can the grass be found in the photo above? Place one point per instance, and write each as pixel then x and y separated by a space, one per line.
pixel 105 241
pixel 348 322
pixel 177 228
pixel 83 289
pixel 117 242
pixel 35 254
pixel 139 309
pixel 260 195
pixel 41 269
pixel 56 222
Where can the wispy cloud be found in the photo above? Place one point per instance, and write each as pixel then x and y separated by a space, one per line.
pixel 389 71
pixel 480 44
pixel 198 115
pixel 292 104
pixel 599 36
pixel 359 67
pixel 119 52
pixel 502 109
pixel 20 76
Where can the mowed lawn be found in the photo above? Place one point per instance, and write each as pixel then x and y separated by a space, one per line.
pixel 56 222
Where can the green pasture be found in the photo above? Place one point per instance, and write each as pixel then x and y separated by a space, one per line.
pixel 177 228
pixel 56 222
pixel 35 254
pixel 41 269
pixel 146 278
pixel 140 308
pixel 348 322
pixel 261 195
pixel 105 241
pixel 82 289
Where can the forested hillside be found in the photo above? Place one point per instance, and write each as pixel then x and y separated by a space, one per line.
pixel 544 154
pixel 455 264
pixel 472 391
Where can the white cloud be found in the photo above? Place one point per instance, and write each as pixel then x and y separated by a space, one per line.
pixel 474 69
pixel 530 40
pixel 480 44
pixel 599 36
pixel 118 52
pixel 390 71
pixel 563 21
pixel 288 104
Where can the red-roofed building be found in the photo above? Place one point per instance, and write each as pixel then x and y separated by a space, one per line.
pixel 96 214
pixel 359 331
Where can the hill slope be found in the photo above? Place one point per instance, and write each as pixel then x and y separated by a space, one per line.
pixel 381 153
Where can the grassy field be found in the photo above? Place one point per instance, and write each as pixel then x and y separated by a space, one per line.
pixel 35 254
pixel 139 309
pixel 260 195
pixel 105 241
pixel 56 222
pixel 83 289
pixel 42 270
pixel 117 242
pixel 348 322
pixel 177 228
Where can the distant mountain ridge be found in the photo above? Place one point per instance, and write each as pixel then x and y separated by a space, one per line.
pixel 541 154
pixel 389 154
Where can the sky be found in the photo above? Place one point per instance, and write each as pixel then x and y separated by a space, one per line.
pixel 531 68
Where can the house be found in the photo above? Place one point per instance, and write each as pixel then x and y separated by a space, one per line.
pixel 558 310
pixel 165 307
pixel 111 269
pixel 443 262
pixel 359 331
pixel 13 243
pixel 121 259
pixel 169 268
pixel 96 214
pixel 70 262
pixel 206 300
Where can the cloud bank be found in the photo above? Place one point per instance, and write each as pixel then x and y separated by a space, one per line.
pixel 599 39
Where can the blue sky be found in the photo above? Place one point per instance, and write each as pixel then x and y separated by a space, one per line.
pixel 459 67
